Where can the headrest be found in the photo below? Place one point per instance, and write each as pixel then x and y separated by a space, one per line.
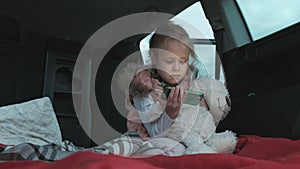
pixel 9 29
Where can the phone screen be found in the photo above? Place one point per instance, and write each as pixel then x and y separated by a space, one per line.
pixel 191 97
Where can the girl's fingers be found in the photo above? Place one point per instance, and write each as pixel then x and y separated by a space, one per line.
pixel 156 84
pixel 176 95
pixel 171 96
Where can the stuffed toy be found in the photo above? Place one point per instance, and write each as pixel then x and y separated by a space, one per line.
pixel 195 126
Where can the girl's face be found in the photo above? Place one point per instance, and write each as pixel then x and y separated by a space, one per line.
pixel 171 61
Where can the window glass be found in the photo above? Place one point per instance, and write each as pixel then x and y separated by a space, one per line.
pixel 196 17
pixel 265 17
pixel 206 53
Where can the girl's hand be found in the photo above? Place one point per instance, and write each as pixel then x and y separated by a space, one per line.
pixel 156 84
pixel 157 90
pixel 174 102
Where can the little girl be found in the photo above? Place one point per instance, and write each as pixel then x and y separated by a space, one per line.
pixel 170 52
pixel 173 59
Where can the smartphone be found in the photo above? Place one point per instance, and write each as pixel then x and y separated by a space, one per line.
pixel 192 97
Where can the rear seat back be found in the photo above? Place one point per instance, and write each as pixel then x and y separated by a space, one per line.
pixel 21 65
pixel 9 29
pixel 60 60
pixel 26 75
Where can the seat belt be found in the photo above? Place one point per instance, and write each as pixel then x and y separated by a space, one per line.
pixel 218 28
pixel 219 50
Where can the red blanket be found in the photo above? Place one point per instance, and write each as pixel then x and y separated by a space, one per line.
pixel 252 152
